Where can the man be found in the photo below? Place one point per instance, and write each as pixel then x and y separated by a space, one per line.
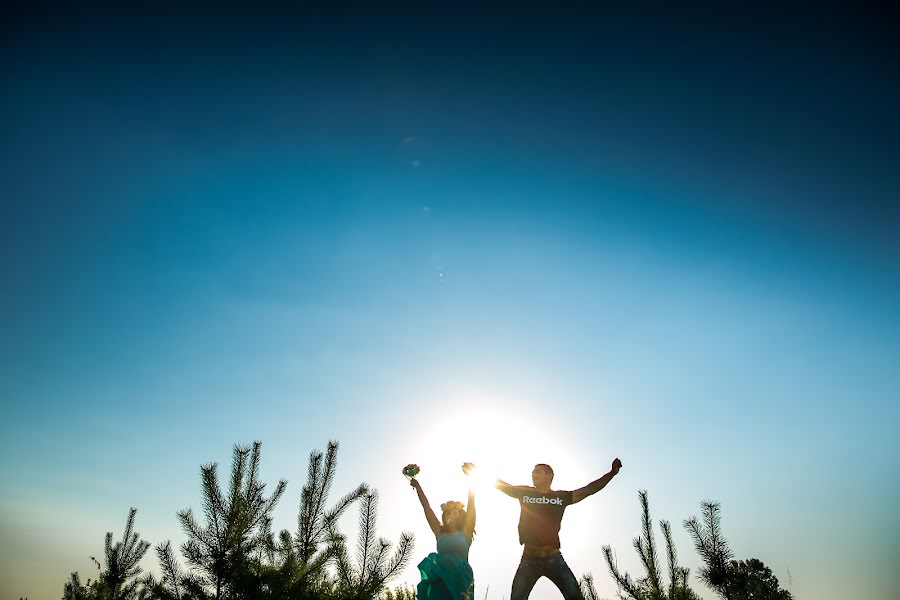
pixel 539 521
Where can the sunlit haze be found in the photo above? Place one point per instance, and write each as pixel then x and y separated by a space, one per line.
pixel 439 234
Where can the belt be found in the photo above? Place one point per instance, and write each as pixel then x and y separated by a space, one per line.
pixel 540 551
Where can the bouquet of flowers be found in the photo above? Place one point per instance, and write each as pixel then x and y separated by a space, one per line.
pixel 411 470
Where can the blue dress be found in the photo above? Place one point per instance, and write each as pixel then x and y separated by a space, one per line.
pixel 446 574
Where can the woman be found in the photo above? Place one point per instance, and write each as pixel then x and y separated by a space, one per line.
pixel 446 574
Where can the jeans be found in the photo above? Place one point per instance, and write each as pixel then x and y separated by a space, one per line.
pixel 552 567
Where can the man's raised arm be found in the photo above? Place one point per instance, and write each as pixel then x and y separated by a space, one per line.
pixel 597 485
pixel 508 489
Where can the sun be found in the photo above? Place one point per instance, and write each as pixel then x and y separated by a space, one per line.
pixel 502 442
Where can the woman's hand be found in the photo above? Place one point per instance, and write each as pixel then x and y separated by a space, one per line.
pixel 468 468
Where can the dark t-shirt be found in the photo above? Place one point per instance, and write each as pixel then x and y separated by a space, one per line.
pixel 541 515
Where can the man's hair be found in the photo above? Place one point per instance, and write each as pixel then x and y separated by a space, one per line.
pixel 545 466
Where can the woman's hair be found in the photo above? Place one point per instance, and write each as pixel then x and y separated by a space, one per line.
pixel 450 505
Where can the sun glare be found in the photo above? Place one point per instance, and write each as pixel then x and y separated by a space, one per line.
pixel 503 439
pixel 501 443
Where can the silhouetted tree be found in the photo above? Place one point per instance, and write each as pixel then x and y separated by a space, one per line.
pixel 234 555
pixel 588 589
pixel 651 586
pixel 299 562
pixel 731 579
pixel 401 592
pixel 752 580
pixel 118 578
pixel 712 547
pixel 73 589
pixel 223 550
pixel 374 566
pixel 175 583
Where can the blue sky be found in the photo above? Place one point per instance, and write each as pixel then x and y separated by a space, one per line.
pixel 618 232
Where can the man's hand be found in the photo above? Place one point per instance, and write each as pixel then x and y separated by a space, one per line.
pixel 468 468
pixel 595 486
pixel 414 483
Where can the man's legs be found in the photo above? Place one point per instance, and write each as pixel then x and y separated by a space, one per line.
pixel 561 575
pixel 527 574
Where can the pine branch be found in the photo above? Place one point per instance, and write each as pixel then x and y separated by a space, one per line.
pixel 344 503
pixel 671 558
pixel 712 547
pixel 647 548
pixel 172 573
pixel 624 581
pixel 253 486
pixel 379 556
pixel 238 466
pixel 401 556
pixel 329 468
pixel 588 589
pixel 213 504
pixel 309 512
pixel 192 529
pixel 366 531
pixel 267 506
